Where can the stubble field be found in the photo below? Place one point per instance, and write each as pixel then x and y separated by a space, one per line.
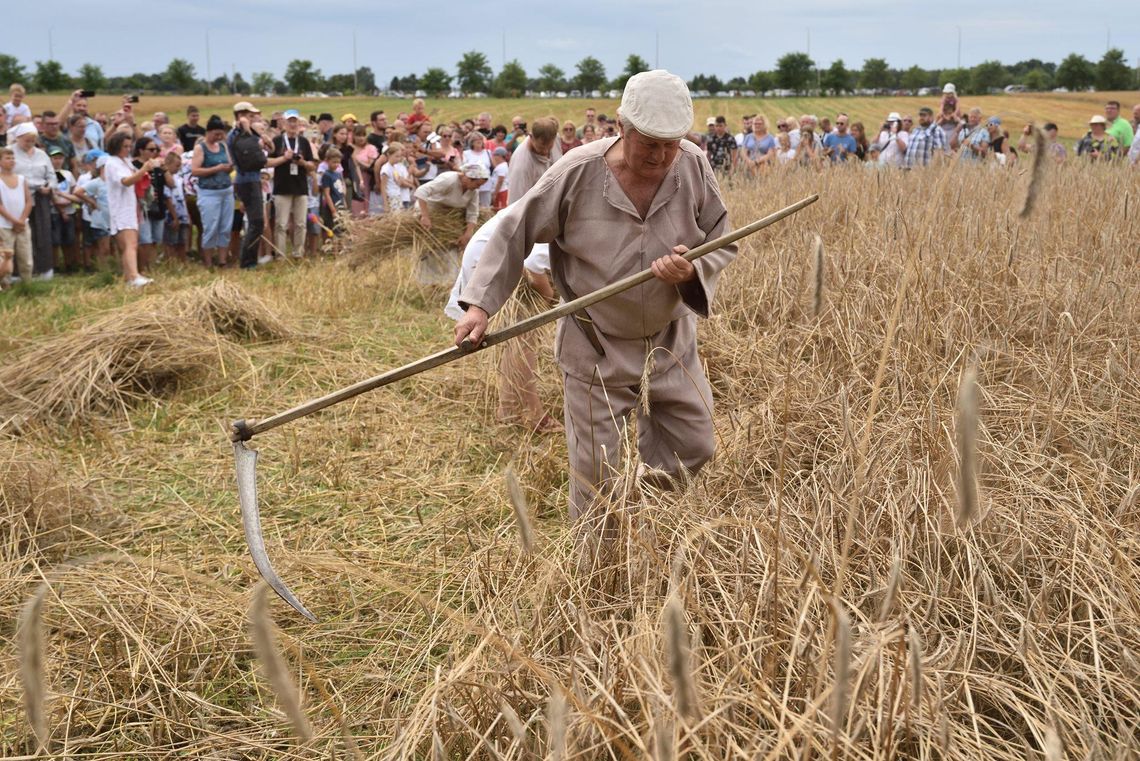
pixel 883 561
pixel 1070 111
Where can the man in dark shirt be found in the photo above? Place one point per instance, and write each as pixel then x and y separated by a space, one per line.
pixel 721 148
pixel 191 132
pixel 379 135
pixel 292 163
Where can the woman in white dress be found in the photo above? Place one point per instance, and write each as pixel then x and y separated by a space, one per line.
pixel 121 176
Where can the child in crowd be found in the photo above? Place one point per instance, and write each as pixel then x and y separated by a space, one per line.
pixel 313 231
pixel 15 208
pixel 63 207
pixel 176 233
pixel 332 191
pixel 499 163
pixel 91 189
pixel 784 151
pixel 398 182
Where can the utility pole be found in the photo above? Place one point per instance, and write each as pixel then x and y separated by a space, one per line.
pixel 233 78
pixel 959 47
pixel 355 76
pixel 51 46
pixel 657 50
pixel 504 48
pixel 209 74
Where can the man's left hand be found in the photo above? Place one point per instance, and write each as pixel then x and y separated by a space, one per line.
pixel 674 268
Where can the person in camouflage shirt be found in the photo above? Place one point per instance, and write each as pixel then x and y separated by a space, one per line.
pixel 721 147
pixel 1097 144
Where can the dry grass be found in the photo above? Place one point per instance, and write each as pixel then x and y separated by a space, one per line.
pixel 1012 636
pixel 136 353
pixel 375 239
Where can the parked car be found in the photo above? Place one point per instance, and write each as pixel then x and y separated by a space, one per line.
pixel 575 93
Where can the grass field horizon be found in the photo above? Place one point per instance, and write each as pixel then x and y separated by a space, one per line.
pixel 1070 111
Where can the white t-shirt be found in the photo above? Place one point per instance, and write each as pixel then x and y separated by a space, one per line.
pixel 391 188
pixel 892 155
pixel 121 202
pixel 13 199
pixel 538 262
pixel 99 217
pixel 13 111
pixel 502 170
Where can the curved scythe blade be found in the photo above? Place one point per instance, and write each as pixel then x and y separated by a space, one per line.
pixel 246 460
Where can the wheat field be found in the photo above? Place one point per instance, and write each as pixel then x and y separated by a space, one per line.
pixel 918 538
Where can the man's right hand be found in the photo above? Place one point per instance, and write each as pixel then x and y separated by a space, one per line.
pixel 425 220
pixel 472 326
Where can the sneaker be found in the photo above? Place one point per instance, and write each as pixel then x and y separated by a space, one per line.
pixel 265 259
pixel 46 275
pixel 140 281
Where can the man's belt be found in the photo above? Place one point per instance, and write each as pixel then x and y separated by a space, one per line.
pixel 581 317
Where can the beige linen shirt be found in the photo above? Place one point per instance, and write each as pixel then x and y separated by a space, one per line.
pixel 526 167
pixel 596 237
pixel 447 190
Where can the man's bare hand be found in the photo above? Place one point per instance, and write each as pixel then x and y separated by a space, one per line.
pixel 674 268
pixel 425 220
pixel 472 326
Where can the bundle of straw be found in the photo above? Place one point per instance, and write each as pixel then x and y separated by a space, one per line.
pixel 229 311
pixel 127 356
pixel 374 239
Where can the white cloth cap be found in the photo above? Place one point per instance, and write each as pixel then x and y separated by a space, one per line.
pixel 893 116
pixel 658 105
pixel 21 129
pixel 950 89
pixel 475 171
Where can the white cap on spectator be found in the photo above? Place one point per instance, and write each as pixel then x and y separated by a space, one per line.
pixel 893 116
pixel 658 105
pixel 1096 119
pixel 245 105
pixel 21 129
pixel 949 89
pixel 475 171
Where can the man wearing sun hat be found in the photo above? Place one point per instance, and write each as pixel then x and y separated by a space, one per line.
pixel 292 163
pixel 1098 144
pixel 247 184
pixel 609 209
pixel 454 190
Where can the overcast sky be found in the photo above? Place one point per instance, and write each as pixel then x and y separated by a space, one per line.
pixel 710 36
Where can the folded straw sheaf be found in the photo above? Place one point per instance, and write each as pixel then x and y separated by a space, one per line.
pixel 375 239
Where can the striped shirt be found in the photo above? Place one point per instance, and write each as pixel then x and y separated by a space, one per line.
pixel 968 136
pixel 924 141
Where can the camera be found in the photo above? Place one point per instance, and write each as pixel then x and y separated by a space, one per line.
pixel 86 93
pixel 133 99
pixel 522 126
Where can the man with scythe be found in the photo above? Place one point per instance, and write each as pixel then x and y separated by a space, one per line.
pixel 611 209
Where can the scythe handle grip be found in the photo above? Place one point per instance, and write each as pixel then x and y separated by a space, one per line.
pixel 244 431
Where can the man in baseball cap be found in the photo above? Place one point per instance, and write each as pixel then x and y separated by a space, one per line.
pixel 610 209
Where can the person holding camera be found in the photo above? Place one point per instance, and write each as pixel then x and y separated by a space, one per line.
pixel 893 141
pixel 292 162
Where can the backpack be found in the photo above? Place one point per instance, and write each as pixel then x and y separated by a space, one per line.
pixel 247 152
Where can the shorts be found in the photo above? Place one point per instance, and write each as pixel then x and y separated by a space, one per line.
pixel 62 230
pixel 91 235
pixel 150 231
pixel 179 237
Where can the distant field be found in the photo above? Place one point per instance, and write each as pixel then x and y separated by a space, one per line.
pixel 1070 111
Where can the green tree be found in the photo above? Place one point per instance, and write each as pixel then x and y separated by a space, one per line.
pixel 795 71
pixel 550 77
pixel 876 74
pixel 11 72
pixel 240 85
pixel 634 64
pixel 301 76
pixel 960 78
pixel 836 79
pixel 179 75
pixel 762 81
pixel 435 81
pixel 915 77
pixel 1075 73
pixel 1037 80
pixel 591 74
pixel 263 83
pixel 988 75
pixel 1112 72
pixel 473 72
pixel 710 82
pixel 365 80
pixel 511 82
pixel 91 77
pixel 51 76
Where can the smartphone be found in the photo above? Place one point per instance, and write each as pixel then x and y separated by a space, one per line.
pixel 133 99
pixel 86 93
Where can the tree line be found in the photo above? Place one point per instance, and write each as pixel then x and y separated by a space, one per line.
pixel 795 72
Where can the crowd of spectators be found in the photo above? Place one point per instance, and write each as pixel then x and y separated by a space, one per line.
pixel 948 134
pixel 263 187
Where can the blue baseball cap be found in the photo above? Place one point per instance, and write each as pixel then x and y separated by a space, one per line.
pixel 995 121
pixel 292 113
pixel 94 155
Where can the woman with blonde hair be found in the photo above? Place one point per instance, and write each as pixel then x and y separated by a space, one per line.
pixel 568 139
